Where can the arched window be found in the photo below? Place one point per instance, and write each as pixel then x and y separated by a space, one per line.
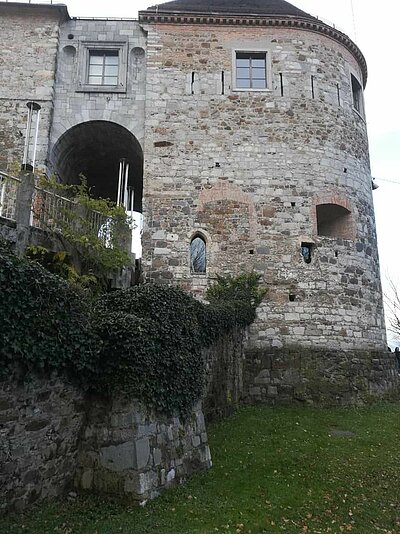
pixel 197 255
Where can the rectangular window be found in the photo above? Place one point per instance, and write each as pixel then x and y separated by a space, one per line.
pixel 251 70
pixel 103 67
pixel 357 94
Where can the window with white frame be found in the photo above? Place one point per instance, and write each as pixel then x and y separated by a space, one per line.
pixel 103 67
pixel 251 70
pixel 357 94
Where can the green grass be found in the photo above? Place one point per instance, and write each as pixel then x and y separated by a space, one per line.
pixel 276 470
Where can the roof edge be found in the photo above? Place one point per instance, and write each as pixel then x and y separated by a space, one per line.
pixel 62 9
pixel 227 19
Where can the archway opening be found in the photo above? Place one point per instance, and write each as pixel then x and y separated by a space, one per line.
pixel 334 221
pixel 94 149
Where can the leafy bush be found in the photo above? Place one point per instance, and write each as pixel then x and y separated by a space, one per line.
pixel 144 342
pixel 45 324
pixel 151 346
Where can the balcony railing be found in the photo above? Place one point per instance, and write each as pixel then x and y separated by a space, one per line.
pixel 52 212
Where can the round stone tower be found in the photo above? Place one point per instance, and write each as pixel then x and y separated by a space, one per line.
pixel 256 158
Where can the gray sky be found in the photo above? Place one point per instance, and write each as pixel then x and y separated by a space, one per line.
pixel 373 26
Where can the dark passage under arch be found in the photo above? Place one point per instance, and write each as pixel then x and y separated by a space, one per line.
pixel 95 149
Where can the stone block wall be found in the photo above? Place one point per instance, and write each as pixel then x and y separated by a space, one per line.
pixel 125 450
pixel 29 44
pixel 40 425
pixel 247 170
pixel 298 375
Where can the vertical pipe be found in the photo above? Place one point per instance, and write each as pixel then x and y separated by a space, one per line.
pixel 126 185
pixel 119 182
pixel 27 136
pixel 36 138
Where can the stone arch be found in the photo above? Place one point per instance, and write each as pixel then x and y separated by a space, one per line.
pixel 198 253
pixel 94 149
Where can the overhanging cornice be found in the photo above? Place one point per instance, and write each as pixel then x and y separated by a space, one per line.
pixel 224 19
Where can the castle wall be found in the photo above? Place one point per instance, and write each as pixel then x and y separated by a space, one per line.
pixel 247 170
pixel 76 101
pixel 29 42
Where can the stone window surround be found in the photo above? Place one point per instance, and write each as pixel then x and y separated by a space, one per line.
pixel 85 47
pixel 249 50
pixel 339 200
pixel 204 235
pixel 361 112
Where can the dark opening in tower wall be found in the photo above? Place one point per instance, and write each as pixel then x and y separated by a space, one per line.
pixel 334 221
pixel 95 149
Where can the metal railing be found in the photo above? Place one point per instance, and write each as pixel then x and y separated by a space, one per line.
pixel 53 212
pixel 48 2
pixel 8 195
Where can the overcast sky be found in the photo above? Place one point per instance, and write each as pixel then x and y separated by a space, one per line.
pixel 374 27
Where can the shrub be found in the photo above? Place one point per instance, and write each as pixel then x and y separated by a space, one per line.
pixel 45 324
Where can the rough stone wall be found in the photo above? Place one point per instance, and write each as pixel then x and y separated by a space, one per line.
pixel 29 42
pixel 297 375
pixel 247 169
pixel 127 451
pixel 52 437
pixel 40 424
pixel 224 371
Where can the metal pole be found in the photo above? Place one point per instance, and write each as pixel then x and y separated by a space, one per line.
pixel 36 139
pixel 126 185
pixel 120 174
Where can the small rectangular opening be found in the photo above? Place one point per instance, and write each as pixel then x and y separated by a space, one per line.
pixel 312 87
pixel 281 82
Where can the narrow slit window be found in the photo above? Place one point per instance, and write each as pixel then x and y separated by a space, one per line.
pixel 222 83
pixel 192 83
pixel 281 82
pixel 338 93
pixel 306 251
pixel 198 255
pixel 313 87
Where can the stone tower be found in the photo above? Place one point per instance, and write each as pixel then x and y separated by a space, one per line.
pixel 256 158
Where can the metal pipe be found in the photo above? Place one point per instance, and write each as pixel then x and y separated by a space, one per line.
pixel 36 139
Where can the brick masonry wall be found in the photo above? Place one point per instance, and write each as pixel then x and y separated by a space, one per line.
pixel 29 42
pixel 247 169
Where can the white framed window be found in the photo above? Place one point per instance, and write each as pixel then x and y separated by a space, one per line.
pixel 357 95
pixel 102 67
pixel 251 70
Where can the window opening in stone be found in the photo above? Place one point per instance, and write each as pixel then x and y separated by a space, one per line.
pixel 251 70
pixel 305 250
pixel 251 251
pixel 338 93
pixel 333 221
pixel 293 204
pixel 292 297
pixel 198 255
pixel 103 67
pixel 192 83
pixel 312 87
pixel 281 82
pixel 336 254
pixel 222 83
pixel 357 94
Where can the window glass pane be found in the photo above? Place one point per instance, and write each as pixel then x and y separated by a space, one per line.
pixel 95 70
pixel 95 59
pixel 258 74
pixel 94 80
pixel 198 255
pixel 258 63
pixel 110 80
pixel 243 73
pixel 259 84
pixel 242 83
pixel 111 59
pixel 111 70
pixel 242 62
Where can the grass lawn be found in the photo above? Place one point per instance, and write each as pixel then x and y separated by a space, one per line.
pixel 276 470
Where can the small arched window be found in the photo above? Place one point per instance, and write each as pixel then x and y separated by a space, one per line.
pixel 197 255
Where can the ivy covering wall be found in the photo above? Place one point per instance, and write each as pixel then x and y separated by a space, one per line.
pixel 145 342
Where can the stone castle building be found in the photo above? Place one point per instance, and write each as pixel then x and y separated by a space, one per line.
pixel 244 127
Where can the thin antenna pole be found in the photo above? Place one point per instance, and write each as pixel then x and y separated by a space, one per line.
pixel 354 20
